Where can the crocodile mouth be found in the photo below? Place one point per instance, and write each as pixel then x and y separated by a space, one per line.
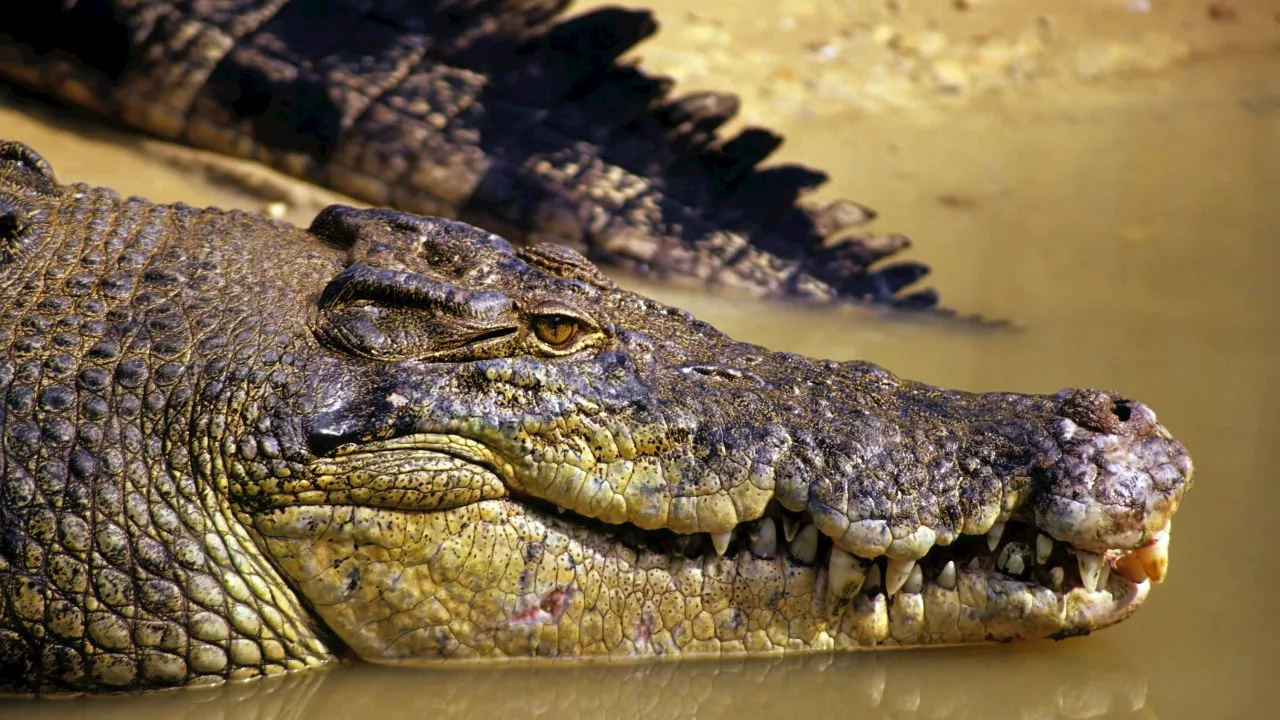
pixel 1084 590
pixel 1015 552
pixel 1014 582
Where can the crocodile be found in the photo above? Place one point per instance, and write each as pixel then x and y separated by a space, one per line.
pixel 233 447
pixel 501 113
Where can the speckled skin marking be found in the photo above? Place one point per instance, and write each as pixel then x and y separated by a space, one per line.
pixel 506 115
pixel 233 447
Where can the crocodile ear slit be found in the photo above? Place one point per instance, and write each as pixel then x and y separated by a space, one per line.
pixel 387 232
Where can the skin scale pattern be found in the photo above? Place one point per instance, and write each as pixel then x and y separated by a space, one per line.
pixel 502 114
pixel 232 447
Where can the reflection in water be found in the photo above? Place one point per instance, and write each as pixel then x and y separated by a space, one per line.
pixel 946 684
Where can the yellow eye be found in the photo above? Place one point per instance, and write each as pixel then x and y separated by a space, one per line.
pixel 555 330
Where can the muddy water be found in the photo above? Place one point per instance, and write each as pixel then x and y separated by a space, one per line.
pixel 1128 226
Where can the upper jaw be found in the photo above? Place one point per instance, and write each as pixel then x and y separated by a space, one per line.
pixel 890 486
pixel 905 469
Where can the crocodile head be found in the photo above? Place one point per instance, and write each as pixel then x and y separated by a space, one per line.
pixel 508 456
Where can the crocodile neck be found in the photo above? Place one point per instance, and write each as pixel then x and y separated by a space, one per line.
pixel 126 564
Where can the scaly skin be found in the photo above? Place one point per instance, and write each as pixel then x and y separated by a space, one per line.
pixel 501 114
pixel 233 447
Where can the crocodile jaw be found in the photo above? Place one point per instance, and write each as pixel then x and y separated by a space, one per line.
pixel 465 539
pixel 501 578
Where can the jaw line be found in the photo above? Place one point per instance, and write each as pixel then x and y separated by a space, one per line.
pixel 1081 611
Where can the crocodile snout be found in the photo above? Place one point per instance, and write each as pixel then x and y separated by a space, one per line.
pixel 1118 481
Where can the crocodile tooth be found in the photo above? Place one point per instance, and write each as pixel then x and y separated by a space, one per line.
pixel 790 526
pixel 1014 559
pixel 764 542
pixel 1056 576
pixel 1130 567
pixel 947 578
pixel 993 536
pixel 721 541
pixel 1155 556
pixel 1104 574
pixel 896 573
pixel 975 564
pixel 804 547
pixel 1090 569
pixel 915 581
pixel 1044 548
pixel 873 582
pixel 845 574
pixel 559 509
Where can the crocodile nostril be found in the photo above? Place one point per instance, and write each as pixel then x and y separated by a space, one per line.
pixel 1121 410
pixel 11 225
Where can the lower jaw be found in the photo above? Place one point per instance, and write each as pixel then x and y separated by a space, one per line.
pixel 497 579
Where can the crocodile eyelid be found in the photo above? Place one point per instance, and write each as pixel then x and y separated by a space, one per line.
pixel 555 307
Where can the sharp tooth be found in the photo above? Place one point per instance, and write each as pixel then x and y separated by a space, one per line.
pixel 804 548
pixel 721 541
pixel 1056 576
pixel 1013 559
pixel 1044 548
pixel 1155 556
pixel 790 526
pixel 1090 569
pixel 993 536
pixel 915 581
pixel 873 582
pixel 896 573
pixel 947 578
pixel 1130 567
pixel 845 573
pixel 975 564
pixel 559 509
pixel 765 542
pixel 1103 576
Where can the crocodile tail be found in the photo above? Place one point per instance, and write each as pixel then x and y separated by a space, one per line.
pixel 504 113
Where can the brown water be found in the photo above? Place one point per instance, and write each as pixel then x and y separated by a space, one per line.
pixel 1131 228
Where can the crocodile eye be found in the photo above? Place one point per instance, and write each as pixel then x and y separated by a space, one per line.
pixel 556 330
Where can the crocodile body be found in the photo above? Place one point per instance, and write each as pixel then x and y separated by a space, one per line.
pixel 500 114
pixel 233 447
